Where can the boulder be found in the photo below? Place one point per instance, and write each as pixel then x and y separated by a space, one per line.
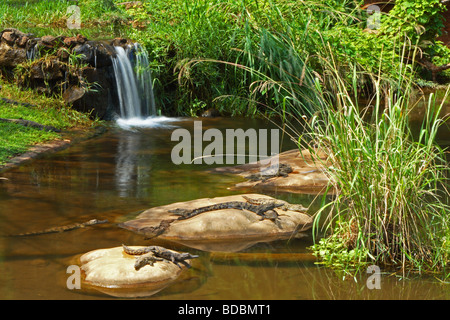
pixel 11 56
pixel 112 271
pixel 54 63
pixel 219 230
pixel 100 96
pixel 307 176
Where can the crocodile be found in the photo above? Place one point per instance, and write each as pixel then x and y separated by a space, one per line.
pixel 146 259
pixel 284 205
pixel 261 210
pixel 152 232
pixel 159 252
pixel 61 228
pixel 279 170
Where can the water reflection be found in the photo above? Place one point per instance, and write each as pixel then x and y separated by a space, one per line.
pixel 127 163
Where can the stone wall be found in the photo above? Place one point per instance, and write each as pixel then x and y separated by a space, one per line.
pixel 79 69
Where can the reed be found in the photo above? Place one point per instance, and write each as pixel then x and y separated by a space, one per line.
pixel 390 189
pixel 391 203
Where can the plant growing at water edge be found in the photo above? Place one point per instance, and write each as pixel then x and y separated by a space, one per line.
pixel 391 199
pixel 391 186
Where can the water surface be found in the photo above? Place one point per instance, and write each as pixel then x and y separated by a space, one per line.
pixel 129 169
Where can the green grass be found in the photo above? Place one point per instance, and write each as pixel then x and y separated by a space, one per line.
pixel 98 19
pixel 175 33
pixel 51 111
pixel 16 139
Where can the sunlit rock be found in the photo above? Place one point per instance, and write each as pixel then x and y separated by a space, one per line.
pixel 112 271
pixel 226 229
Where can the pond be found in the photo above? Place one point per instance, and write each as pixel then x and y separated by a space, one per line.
pixel 119 174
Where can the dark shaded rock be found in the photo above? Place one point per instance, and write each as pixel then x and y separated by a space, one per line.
pixel 53 70
pixel 47 70
pixel 95 54
pixel 10 56
pixel 98 94
pixel 211 113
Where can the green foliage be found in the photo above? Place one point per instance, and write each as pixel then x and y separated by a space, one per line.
pixel 391 185
pixel 334 252
pixel 414 19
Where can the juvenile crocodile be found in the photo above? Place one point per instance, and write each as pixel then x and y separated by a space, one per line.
pixel 152 232
pixel 159 252
pixel 261 210
pixel 284 205
pixel 146 259
pixel 61 228
pixel 279 170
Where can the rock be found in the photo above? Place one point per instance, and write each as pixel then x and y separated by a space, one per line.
pixel 11 56
pixel 96 54
pixel 46 70
pixel 220 230
pixel 99 98
pixel 72 94
pixel 306 176
pixel 119 42
pixel 9 37
pixel 22 42
pixel 211 113
pixel 112 271
pixel 48 40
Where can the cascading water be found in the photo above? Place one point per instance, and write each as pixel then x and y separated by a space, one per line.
pixel 134 82
pixel 144 79
pixel 135 90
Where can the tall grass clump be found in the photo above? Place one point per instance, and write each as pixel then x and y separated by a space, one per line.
pixel 390 202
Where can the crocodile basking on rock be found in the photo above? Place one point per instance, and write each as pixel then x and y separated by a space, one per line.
pixel 61 228
pixel 146 259
pixel 150 254
pixel 261 210
pixel 284 205
pixel 279 170
pixel 265 211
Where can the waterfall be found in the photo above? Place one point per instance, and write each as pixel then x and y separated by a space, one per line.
pixel 144 79
pixel 134 82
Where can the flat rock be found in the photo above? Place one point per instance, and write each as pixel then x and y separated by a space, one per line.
pixel 307 176
pixel 111 271
pixel 220 230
